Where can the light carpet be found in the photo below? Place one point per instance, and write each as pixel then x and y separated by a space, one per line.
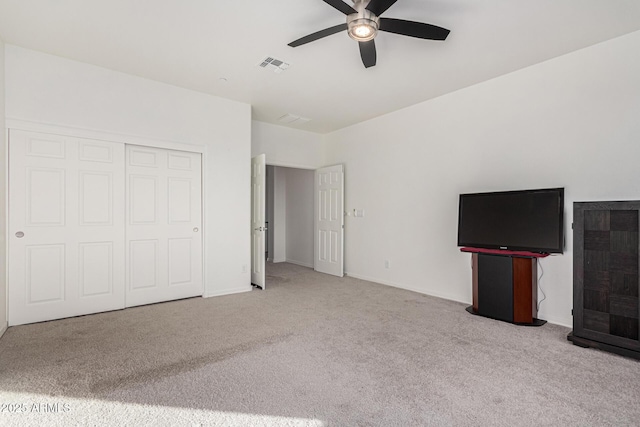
pixel 310 350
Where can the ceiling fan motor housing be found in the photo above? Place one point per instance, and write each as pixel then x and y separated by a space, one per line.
pixel 363 25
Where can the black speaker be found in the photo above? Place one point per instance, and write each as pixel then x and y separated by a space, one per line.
pixel 495 296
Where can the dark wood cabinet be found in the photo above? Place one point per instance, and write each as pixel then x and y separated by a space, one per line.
pixel 606 257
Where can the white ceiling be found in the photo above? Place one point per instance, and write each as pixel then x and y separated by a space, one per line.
pixel 195 43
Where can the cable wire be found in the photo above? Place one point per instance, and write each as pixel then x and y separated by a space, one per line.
pixel 540 287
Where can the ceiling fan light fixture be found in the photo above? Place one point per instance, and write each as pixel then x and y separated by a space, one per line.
pixel 363 29
pixel 364 22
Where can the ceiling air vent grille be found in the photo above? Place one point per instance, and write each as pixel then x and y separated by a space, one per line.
pixel 274 64
pixel 292 118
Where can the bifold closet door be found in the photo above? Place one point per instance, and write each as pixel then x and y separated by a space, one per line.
pixel 66 227
pixel 164 223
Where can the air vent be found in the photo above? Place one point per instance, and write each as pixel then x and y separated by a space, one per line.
pixel 292 118
pixel 274 64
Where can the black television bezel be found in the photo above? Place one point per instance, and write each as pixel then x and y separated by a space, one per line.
pixel 560 250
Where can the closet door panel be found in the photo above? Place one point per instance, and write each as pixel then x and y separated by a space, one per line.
pixel 164 222
pixel 66 226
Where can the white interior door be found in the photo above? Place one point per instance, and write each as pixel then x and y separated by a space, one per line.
pixel 258 168
pixel 164 225
pixel 329 220
pixel 66 228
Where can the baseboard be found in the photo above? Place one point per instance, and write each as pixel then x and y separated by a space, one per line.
pixel 3 329
pixel 227 292
pixel 275 261
pixel 405 287
pixel 300 263
pixel 559 322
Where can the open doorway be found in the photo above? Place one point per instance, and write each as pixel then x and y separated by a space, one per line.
pixel 287 226
pixel 289 215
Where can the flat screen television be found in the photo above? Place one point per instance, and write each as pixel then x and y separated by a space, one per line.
pixel 527 220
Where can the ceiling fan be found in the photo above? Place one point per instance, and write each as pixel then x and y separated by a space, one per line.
pixel 364 22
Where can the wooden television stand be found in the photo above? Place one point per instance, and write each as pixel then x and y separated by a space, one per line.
pixel 505 285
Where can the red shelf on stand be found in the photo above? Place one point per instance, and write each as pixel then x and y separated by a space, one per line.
pixel 505 252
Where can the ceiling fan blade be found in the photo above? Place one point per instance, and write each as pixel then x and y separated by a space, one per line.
pixel 368 53
pixel 318 35
pixel 377 7
pixel 341 6
pixel 413 29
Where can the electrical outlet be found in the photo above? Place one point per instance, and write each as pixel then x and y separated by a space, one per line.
pixel 387 263
pixel 244 268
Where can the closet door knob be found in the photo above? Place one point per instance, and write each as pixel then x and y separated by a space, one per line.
pixel 19 234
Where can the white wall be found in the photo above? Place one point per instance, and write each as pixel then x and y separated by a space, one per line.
pixel 279 226
pixel 570 122
pixel 269 209
pixel 48 89
pixel 3 194
pixel 286 146
pixel 290 215
pixel 300 228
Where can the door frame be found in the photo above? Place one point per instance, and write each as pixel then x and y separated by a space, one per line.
pixel 291 166
pixel 268 162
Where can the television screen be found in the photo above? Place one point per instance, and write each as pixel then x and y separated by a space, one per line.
pixel 528 220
